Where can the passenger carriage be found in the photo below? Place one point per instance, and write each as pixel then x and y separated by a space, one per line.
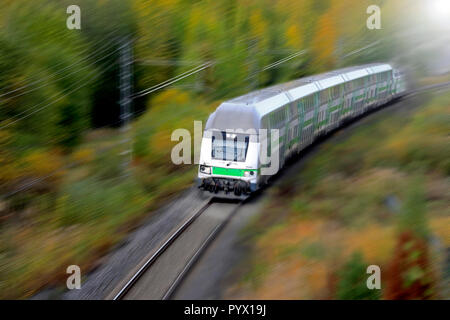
pixel 233 148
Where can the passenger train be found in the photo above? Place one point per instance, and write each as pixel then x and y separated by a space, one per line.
pixel 243 134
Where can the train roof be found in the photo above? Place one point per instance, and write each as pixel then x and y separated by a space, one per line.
pixel 248 109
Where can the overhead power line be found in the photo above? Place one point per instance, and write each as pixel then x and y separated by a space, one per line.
pixel 38 75
pixel 52 77
pixel 86 80
pixel 172 80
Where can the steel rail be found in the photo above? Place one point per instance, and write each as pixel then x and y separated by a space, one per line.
pixel 150 261
pixel 212 235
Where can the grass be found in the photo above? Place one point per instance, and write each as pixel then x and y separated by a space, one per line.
pixel 350 203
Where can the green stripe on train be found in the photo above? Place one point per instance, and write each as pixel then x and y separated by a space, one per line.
pixel 335 107
pixel 230 171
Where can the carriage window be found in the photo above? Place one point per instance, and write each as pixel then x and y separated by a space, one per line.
pixel 324 96
pixel 348 86
pixel 293 110
pixel 229 146
pixel 308 103
pixel 336 91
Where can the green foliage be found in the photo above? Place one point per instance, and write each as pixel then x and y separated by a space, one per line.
pixel 173 109
pixel 349 198
pixel 106 25
pixel 108 164
pixel 413 215
pixel 56 83
pixel 423 143
pixel 352 281
pixel 39 103
pixel 90 200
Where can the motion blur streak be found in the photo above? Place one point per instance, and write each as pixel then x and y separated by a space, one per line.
pixel 64 197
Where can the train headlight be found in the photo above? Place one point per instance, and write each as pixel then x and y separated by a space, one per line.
pixel 205 169
pixel 249 173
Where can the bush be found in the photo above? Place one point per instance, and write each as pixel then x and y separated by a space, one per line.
pixel 174 109
pixel 409 274
pixel 352 280
pixel 53 114
pixel 413 215
pixel 89 200
pixel 83 155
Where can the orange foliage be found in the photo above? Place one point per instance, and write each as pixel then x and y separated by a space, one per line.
pixel 294 36
pixel 324 42
pixel 409 275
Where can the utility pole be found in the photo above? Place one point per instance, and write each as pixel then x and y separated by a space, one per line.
pixel 126 88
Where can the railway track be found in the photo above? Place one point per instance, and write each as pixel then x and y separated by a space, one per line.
pixel 431 87
pixel 159 275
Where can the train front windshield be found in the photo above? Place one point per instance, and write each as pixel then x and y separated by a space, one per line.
pixel 229 146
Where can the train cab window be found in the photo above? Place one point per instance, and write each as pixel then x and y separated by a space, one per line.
pixel 229 146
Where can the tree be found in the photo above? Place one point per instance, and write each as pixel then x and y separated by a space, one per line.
pixel 324 42
pixel 45 78
pixel 409 273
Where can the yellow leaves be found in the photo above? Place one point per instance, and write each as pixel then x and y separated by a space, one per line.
pixel 324 42
pixel 9 168
pixel 441 227
pixel 258 25
pixel 9 172
pixel 169 96
pixel 375 242
pixel 42 163
pixel 160 141
pixel 5 136
pixel 83 155
pixel 196 16
pixel 294 36
pixel 398 146
pixel 167 4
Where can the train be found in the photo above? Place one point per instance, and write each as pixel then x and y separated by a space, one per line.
pixel 248 139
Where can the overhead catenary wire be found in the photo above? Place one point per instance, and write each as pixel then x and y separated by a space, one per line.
pixel 71 66
pixel 194 70
pixel 172 80
pixel 86 47
pixel 375 43
pixel 276 63
pixel 63 95
pixel 92 54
